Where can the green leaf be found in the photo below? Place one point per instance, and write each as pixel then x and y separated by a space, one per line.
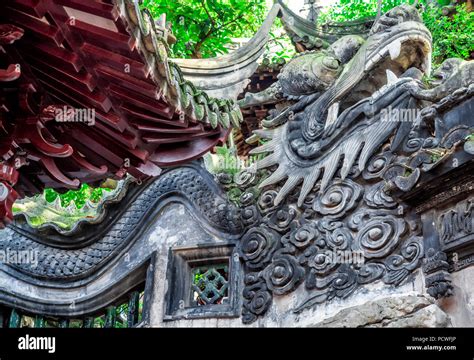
pixel 206 27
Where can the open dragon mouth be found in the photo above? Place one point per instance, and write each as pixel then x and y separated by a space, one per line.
pixel 408 45
pixel 398 42
pixel 308 150
pixel 411 47
pixel 401 25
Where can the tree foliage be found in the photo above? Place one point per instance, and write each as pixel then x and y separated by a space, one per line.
pixel 204 28
pixel 453 36
pixel 347 10
pixel 279 49
pixel 79 197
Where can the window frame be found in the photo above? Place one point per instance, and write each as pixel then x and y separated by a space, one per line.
pixel 181 261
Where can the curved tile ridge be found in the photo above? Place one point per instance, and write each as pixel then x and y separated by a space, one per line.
pixel 227 75
pixel 179 92
pixel 187 185
pixel 316 36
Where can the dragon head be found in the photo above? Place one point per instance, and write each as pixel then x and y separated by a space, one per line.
pixel 308 148
pixel 310 73
pixel 398 41
pixel 395 16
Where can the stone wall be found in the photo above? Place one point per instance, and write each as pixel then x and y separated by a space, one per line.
pixel 374 305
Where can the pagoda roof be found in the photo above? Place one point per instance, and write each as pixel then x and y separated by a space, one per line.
pixel 87 92
pixel 108 57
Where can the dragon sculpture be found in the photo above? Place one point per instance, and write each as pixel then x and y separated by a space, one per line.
pixel 335 160
pixel 307 147
pixel 453 74
pixel 308 73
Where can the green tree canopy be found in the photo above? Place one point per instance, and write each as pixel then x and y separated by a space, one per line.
pixel 204 28
pixel 453 36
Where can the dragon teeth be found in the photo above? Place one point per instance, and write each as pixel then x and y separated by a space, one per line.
pixel 391 77
pixel 427 64
pixel 394 49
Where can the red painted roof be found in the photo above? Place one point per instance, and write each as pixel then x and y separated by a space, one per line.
pixel 104 66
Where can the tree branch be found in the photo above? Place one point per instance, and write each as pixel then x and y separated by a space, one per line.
pixel 203 3
pixel 231 22
pixel 212 30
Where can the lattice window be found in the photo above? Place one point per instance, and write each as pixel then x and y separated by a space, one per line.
pixel 204 282
pixel 210 284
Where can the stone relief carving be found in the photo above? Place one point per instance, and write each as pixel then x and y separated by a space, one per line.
pixel 457 223
pixel 319 210
pixel 452 231
pixel 292 245
pixel 438 280
pixel 191 184
pixel 328 215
